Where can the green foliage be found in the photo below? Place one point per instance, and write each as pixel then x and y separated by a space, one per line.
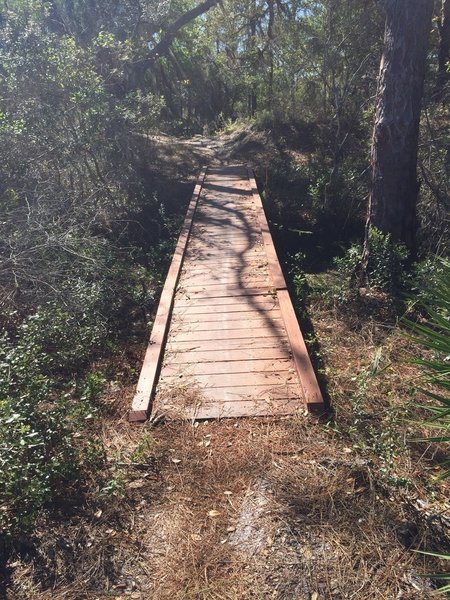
pixel 38 416
pixel 143 448
pixel 435 336
pixel 386 269
pixel 80 228
pixel 114 487
pixel 425 279
pixel 387 261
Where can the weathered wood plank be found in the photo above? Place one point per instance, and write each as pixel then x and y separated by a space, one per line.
pixel 273 341
pixel 260 299
pixel 207 311
pixel 305 371
pixel 272 258
pixel 225 316
pixel 235 366
pixel 227 292
pixel 227 393
pixel 189 326
pixel 228 334
pixel 222 355
pixel 214 380
pixel 153 356
pixel 253 408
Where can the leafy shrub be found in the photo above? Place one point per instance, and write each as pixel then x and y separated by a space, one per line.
pixel 435 336
pixel 387 262
pixel 38 414
pixel 425 279
pixel 386 269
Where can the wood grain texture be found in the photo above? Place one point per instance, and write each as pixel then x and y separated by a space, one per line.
pixel 153 356
pixel 234 346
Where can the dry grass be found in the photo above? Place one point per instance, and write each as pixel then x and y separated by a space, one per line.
pixel 235 509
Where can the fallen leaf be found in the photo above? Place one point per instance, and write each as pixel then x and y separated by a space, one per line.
pixel 196 537
pixel 214 513
pixel 134 485
pixel 176 461
pixel 228 493
pixel 98 513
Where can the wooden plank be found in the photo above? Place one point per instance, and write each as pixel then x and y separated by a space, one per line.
pixel 212 410
pixel 235 366
pixel 206 230
pixel 228 266
pixel 189 326
pixel 208 283
pixel 232 278
pixel 230 291
pixel 272 258
pixel 274 341
pixel 232 380
pixel 221 316
pixel 253 408
pixel 211 253
pixel 209 310
pixel 225 275
pixel 239 262
pixel 253 300
pixel 219 288
pixel 220 355
pixel 307 377
pixel 229 393
pixel 227 334
pixel 153 356
pixel 214 234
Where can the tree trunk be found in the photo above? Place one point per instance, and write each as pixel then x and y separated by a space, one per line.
pixel 252 100
pixel 393 199
pixel 444 50
pixel 271 52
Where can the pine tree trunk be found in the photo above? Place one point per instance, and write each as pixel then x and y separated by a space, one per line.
pixel 393 200
pixel 444 50
pixel 271 52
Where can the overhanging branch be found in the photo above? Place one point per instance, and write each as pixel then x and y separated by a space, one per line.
pixel 169 35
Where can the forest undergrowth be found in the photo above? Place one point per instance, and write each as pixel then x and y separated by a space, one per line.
pixel 107 112
pixel 251 508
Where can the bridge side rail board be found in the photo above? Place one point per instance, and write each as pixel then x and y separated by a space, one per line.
pixel 148 378
pixel 305 371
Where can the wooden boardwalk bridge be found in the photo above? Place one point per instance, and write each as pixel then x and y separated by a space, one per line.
pixel 226 341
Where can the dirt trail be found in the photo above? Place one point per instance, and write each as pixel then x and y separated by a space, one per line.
pixel 186 155
pixel 264 508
